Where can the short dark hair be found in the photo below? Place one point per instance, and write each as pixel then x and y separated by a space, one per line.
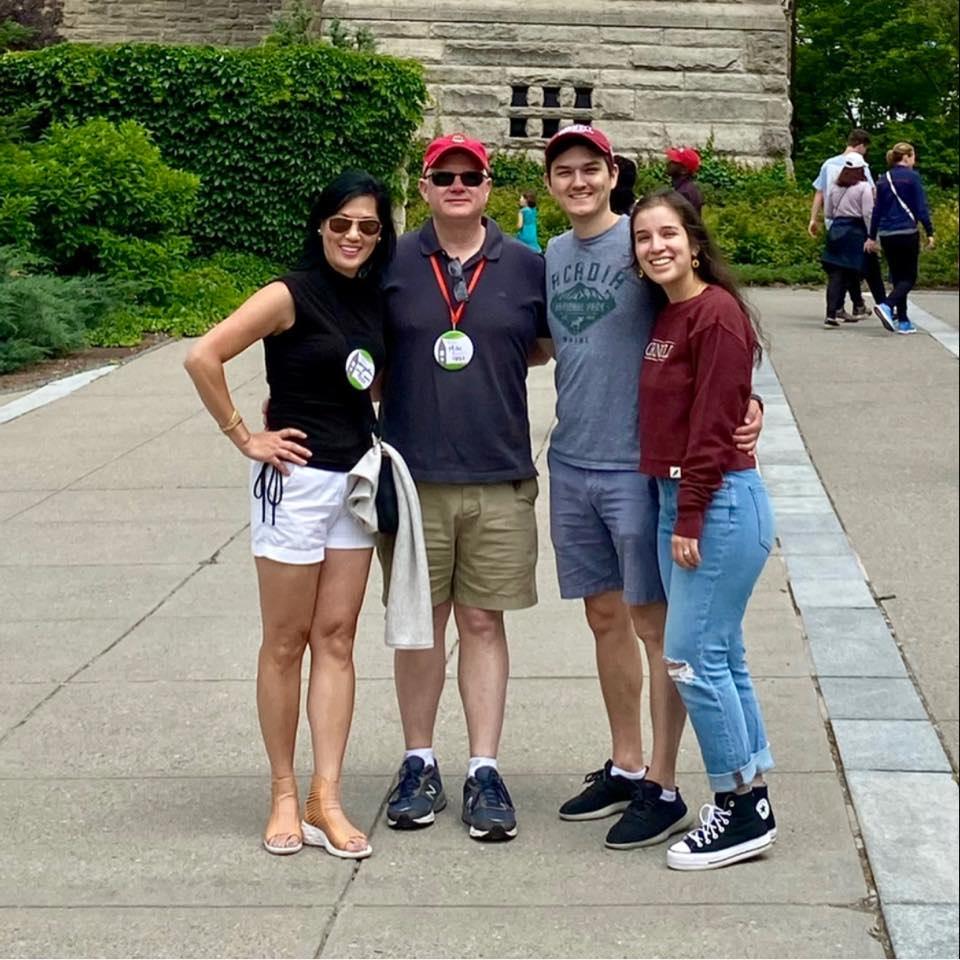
pixel 713 268
pixel 622 197
pixel 341 190
pixel 530 197
pixel 858 138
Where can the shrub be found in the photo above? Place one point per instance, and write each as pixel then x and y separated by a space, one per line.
pixel 42 315
pixel 758 217
pixel 94 198
pixel 198 297
pixel 265 128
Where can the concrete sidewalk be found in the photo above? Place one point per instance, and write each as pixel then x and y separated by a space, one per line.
pixel 133 777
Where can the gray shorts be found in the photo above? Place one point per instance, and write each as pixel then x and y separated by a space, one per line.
pixel 603 524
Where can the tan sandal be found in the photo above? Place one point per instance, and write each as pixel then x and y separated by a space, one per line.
pixel 279 839
pixel 324 824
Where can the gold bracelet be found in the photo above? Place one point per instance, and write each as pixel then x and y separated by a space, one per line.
pixel 234 421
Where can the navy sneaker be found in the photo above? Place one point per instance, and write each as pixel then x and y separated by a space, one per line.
pixel 417 797
pixel 731 829
pixel 606 793
pixel 649 819
pixel 762 796
pixel 487 807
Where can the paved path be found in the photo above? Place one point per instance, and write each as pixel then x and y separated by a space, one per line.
pixel 133 777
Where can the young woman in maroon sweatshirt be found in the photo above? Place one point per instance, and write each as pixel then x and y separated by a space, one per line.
pixel 716 525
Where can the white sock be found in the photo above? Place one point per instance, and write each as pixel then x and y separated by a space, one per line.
pixel 669 795
pixel 477 762
pixel 616 771
pixel 425 754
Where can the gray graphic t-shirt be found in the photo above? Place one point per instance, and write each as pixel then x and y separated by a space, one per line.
pixel 600 317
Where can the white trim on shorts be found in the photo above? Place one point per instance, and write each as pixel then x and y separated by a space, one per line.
pixel 308 517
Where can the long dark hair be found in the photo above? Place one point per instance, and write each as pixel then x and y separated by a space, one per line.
pixel 346 187
pixel 713 268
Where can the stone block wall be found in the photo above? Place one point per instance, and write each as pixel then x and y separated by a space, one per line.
pixel 649 72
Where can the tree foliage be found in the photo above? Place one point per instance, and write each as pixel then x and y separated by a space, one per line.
pixel 888 66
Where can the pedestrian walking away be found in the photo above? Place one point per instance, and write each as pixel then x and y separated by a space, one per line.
pixel 901 206
pixel 715 527
pixel 858 142
pixel 849 206
pixel 322 332
pixel 527 221
pixel 603 511
pixel 465 311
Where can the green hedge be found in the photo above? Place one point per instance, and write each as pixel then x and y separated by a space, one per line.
pixel 757 215
pixel 264 128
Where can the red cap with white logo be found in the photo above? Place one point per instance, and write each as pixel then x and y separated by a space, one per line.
pixel 578 133
pixel 440 147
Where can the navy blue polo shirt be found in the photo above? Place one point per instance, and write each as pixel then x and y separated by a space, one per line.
pixel 469 425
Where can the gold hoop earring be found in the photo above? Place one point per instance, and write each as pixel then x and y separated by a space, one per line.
pixel 695 263
pixel 639 273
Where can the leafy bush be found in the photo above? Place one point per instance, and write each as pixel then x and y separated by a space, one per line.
pixel 42 315
pixel 265 128
pixel 757 215
pixel 97 198
pixel 198 296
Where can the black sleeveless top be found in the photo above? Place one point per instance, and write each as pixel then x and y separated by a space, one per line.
pixel 306 365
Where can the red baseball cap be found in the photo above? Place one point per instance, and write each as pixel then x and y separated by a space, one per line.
pixel 578 133
pixel 451 142
pixel 685 156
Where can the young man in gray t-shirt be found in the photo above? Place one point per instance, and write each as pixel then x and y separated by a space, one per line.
pixel 603 511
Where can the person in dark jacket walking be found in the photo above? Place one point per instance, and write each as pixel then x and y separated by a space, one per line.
pixel 901 206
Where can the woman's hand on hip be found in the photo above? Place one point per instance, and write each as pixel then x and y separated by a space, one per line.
pixel 686 552
pixel 277 447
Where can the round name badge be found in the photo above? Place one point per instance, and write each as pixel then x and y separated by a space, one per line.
pixel 453 350
pixel 361 370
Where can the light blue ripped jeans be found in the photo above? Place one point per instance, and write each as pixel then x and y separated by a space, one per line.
pixel 703 645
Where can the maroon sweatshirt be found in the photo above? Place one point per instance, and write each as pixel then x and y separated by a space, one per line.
pixel 694 389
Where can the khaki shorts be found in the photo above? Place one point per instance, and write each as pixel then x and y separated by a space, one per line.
pixel 481 543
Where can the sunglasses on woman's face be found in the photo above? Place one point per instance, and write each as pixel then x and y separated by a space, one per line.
pixel 368 226
pixel 445 178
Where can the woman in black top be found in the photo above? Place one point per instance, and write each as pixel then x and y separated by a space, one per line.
pixel 322 329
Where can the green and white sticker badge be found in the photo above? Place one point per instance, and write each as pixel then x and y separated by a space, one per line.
pixel 453 350
pixel 361 370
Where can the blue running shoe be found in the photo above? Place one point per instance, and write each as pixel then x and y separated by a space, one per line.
pixel 487 807
pixel 905 326
pixel 885 315
pixel 417 797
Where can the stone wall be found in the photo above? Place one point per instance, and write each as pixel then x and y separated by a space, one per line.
pixel 227 22
pixel 649 72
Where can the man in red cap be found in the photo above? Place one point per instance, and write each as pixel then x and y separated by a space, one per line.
pixel 465 309
pixel 682 166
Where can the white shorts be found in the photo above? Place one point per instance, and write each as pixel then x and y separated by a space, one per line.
pixel 294 519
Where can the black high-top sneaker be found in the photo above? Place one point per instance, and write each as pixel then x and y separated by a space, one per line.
pixel 730 830
pixel 762 796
